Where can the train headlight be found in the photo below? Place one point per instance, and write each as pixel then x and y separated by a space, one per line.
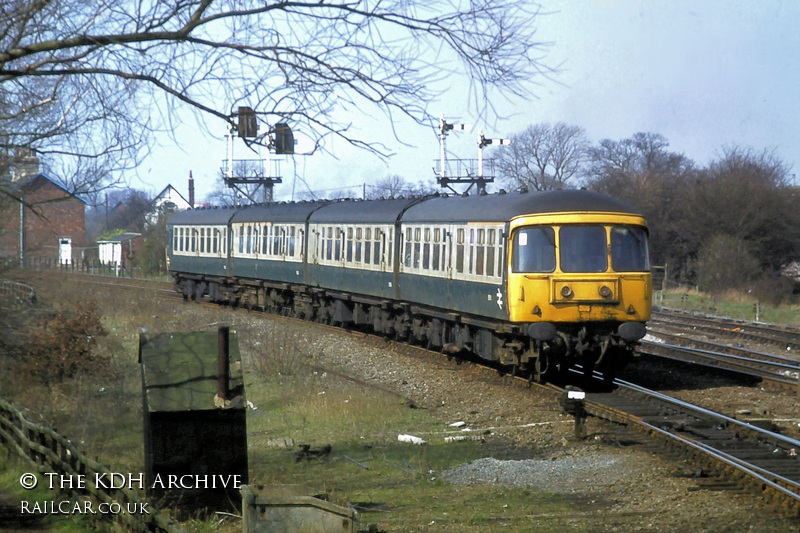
pixel 604 291
pixel 566 292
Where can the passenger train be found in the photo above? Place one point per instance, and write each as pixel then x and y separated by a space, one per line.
pixel 534 281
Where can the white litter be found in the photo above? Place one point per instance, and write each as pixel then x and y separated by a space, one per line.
pixel 411 439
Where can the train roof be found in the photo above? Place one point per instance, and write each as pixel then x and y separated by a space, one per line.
pixel 503 207
pixel 500 207
pixel 296 212
pixel 215 216
pixel 383 211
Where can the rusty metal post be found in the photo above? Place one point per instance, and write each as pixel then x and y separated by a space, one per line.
pixel 223 362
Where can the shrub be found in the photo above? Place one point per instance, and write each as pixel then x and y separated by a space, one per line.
pixel 61 347
pixel 726 262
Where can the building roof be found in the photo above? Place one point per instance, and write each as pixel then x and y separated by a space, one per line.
pixel 171 194
pixel 124 237
pixel 31 182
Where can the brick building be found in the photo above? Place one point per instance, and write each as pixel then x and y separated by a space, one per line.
pixel 53 221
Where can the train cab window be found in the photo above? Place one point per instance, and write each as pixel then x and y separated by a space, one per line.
pixel 629 249
pixel 534 250
pixel 583 249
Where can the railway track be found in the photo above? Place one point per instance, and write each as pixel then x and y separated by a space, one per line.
pixel 785 338
pixel 742 453
pixel 775 372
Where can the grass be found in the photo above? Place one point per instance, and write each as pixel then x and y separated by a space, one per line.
pixel 36 500
pixel 732 304
pixel 396 485
pixel 399 490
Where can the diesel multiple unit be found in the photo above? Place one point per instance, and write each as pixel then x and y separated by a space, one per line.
pixel 537 281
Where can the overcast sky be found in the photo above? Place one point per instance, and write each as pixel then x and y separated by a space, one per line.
pixel 705 74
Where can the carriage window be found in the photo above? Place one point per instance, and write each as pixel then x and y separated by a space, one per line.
pixel 583 249
pixel 460 251
pixel 629 249
pixel 328 243
pixel 426 249
pixel 437 234
pixel 490 254
pixel 534 250
pixel 417 236
pixel 407 248
pixel 479 252
pixel 292 232
pixel 202 240
pixel 215 242
pixel 376 255
pixel 276 241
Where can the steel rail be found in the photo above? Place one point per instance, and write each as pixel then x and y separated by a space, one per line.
pixel 781 375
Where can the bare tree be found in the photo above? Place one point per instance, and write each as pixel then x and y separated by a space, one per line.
pixel 543 156
pixel 87 82
pixel 395 185
pixel 643 171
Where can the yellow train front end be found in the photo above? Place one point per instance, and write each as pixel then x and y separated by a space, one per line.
pixel 579 284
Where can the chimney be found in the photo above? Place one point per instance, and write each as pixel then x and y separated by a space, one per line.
pixel 191 190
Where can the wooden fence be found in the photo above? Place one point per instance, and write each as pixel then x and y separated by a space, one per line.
pixel 49 452
pixel 13 293
pixel 120 270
